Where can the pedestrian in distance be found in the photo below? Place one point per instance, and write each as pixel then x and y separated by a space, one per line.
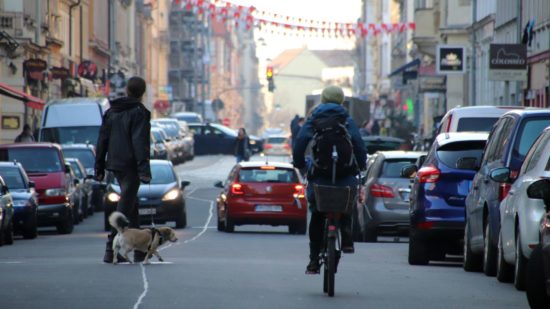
pixel 123 148
pixel 330 108
pixel 25 136
pixel 242 146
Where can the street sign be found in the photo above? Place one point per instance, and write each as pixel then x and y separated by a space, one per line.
pixel 508 62
pixel 450 59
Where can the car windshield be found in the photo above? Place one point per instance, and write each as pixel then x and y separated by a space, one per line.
pixel 276 140
pixel 392 168
pixel 528 133
pixel 476 124
pixel 12 177
pixel 85 156
pixel 160 174
pixel 34 160
pixel 76 169
pixel 451 153
pixel 268 175
pixel 68 135
pixel 224 129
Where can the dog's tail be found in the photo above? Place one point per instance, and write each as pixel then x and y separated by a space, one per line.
pixel 119 221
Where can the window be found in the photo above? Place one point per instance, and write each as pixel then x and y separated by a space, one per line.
pixel 476 124
pixel 534 154
pixel 527 135
pixel 34 160
pixel 13 178
pixel 451 153
pixel 392 168
pixel 65 135
pixel 274 175
pixel 76 170
pixel 85 156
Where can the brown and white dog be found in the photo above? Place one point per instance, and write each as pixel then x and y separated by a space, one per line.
pixel 144 240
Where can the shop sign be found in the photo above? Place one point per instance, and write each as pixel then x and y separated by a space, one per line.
pixel 87 69
pixel 59 73
pixel 10 122
pixel 450 59
pixel 508 62
pixel 34 68
pixel 432 84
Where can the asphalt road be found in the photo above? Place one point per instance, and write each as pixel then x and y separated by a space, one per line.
pixel 255 267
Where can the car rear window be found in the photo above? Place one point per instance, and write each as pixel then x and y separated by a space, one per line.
pixel 12 177
pixel 85 156
pixel 374 145
pixel 392 168
pixel 34 160
pixel 476 124
pixel 449 154
pixel 268 175
pixel 528 133
pixel 276 140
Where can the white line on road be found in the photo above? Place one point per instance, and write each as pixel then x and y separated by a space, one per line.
pixel 204 229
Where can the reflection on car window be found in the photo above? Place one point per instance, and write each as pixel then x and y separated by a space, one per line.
pixel 476 124
pixel 392 168
pixel 450 153
pixel 12 177
pixel 276 175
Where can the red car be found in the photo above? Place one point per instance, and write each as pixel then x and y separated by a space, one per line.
pixel 260 193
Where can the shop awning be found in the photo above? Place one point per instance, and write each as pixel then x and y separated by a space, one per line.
pixel 414 63
pixel 31 101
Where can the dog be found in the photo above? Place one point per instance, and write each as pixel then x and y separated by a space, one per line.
pixel 144 240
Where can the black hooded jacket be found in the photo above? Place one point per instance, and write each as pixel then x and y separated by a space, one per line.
pixel 124 137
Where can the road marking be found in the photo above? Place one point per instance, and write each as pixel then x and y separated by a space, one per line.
pixel 12 262
pixel 204 229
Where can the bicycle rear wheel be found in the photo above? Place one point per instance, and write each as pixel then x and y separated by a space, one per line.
pixel 330 267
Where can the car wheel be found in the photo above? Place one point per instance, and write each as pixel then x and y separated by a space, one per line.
pixel 297 228
pixel 229 225
pixel 1 236
pixel 535 280
pixel 30 229
pixel 221 225
pixel 76 214
pixel 505 271
pixel 489 253
pixel 67 226
pixel 8 234
pixel 181 221
pixel 418 250
pixel 471 261
pixel 521 263
pixel 371 235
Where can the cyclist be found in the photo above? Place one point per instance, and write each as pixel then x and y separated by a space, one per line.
pixel 332 98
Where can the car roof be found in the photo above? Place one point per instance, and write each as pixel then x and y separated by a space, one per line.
pixel 482 111
pixel 78 100
pixel 528 112
pixel 278 136
pixel 13 164
pixel 185 114
pixel 401 154
pixel 32 145
pixel 452 137
pixel 252 164
pixel 77 146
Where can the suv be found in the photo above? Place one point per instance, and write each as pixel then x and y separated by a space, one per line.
pixel 45 165
pixel 510 140
pixel 472 118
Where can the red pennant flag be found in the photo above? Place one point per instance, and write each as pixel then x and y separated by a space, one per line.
pixel 412 26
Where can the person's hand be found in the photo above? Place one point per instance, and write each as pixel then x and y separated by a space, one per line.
pixel 99 174
pixel 145 179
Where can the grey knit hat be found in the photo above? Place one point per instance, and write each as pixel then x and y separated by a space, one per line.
pixel 332 94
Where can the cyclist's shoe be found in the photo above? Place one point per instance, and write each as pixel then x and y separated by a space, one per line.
pixel 313 268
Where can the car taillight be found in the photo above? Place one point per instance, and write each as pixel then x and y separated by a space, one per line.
pixel 428 174
pixel 503 190
pixel 286 146
pixel 268 146
pixel 425 225
pixel 299 191
pixel 449 123
pixel 378 190
pixel 237 189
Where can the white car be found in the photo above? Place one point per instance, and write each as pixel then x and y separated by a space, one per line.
pixel 520 216
pixel 472 118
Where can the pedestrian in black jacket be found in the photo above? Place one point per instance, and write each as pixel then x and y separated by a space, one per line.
pixel 124 138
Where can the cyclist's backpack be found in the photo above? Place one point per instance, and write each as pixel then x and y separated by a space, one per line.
pixel 330 132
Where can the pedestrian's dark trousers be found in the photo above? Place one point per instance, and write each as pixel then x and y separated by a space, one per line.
pixel 128 203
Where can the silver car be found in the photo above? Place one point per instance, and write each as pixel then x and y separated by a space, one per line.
pixel 386 196
pixel 521 216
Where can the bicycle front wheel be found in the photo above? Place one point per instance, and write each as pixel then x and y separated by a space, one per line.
pixel 330 267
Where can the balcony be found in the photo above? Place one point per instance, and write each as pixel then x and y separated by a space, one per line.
pixel 427 24
pixel 12 24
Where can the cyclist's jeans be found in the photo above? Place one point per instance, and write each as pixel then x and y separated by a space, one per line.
pixel 316 228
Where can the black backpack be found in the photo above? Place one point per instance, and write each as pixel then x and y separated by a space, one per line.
pixel 329 134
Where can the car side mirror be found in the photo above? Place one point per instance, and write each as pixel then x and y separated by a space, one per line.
pixel 5 190
pixel 408 171
pixel 540 189
pixel 185 183
pixel 218 184
pixel 501 174
pixel 76 182
pixel 32 184
pixel 67 168
pixel 467 163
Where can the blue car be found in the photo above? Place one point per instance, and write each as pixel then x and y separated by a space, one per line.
pixel 438 193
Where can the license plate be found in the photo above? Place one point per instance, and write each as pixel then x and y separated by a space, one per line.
pixel 147 211
pixel 271 208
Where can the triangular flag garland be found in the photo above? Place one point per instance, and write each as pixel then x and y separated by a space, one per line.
pixel 275 23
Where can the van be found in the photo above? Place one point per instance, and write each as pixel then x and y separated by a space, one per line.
pixel 45 165
pixel 472 118
pixel 73 120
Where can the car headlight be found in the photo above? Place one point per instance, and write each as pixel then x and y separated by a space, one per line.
pixel 252 142
pixel 20 203
pixel 171 195
pixel 113 197
pixel 55 192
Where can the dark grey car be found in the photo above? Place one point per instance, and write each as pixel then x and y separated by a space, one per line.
pixel 386 196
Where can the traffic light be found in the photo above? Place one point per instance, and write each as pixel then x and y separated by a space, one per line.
pixel 269 75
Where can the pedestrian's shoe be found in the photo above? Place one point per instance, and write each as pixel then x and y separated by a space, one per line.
pixel 139 256
pixel 313 268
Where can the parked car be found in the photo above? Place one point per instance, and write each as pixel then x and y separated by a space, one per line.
pixel 25 203
pixel 510 139
pixel 157 148
pixel 172 129
pixel 277 145
pixel 479 118
pixel 163 141
pixel 188 140
pixel 213 138
pixel 189 117
pixel 45 165
pixel 84 186
pixel 438 194
pixel 85 153
pixel 6 215
pixel 262 193
pixel 538 267
pixel 519 214
pixel 162 200
pixel 375 143
pixel 386 205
